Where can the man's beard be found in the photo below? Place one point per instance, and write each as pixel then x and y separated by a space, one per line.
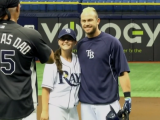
pixel 92 32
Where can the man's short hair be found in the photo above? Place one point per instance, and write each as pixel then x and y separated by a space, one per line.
pixel 89 9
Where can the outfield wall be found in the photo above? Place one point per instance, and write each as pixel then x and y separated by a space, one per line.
pixel 140 38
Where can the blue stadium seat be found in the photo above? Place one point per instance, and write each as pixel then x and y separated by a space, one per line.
pixel 118 8
pixel 157 7
pixel 42 7
pixel 142 8
pixel 134 8
pixel 85 1
pixel 94 1
pixel 71 7
pixel 76 0
pixel 126 7
pixel 26 7
pixel 67 7
pixel 94 6
pixel 100 8
pixel 150 8
pixel 35 7
pixel 74 8
pixel 60 7
pixel 22 6
pixel 109 8
pixel 51 7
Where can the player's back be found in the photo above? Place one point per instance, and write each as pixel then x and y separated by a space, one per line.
pixel 17 70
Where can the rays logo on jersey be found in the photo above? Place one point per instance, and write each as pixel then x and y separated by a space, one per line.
pixel 90 54
pixel 74 79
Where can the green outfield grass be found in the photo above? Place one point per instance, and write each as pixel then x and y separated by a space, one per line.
pixel 145 79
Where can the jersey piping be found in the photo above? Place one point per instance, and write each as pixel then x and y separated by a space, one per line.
pixel 33 82
pixel 111 67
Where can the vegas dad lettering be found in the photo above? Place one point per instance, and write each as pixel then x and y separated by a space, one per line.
pixel 18 43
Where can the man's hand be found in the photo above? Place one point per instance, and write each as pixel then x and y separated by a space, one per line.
pixel 127 105
pixel 44 115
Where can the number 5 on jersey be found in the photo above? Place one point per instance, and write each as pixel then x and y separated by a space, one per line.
pixel 5 59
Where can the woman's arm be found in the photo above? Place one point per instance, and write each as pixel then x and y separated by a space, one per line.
pixel 45 100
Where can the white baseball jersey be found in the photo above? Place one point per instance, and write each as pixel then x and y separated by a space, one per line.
pixel 64 87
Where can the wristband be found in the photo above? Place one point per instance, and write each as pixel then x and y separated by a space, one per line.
pixel 127 94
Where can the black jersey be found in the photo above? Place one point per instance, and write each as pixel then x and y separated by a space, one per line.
pixel 18 84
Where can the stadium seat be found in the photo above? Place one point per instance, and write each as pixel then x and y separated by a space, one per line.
pixel 100 8
pixel 74 8
pixel 85 1
pixel 60 7
pixel 150 8
pixel 22 6
pixel 157 7
pixel 134 8
pixel 26 7
pixel 67 7
pixel 142 8
pixel 126 8
pixel 51 7
pixel 71 7
pixel 42 7
pixel 118 8
pixel 76 0
pixel 91 1
pixel 109 8
pixel 35 7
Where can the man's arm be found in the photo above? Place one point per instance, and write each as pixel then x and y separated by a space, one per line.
pixel 125 82
pixel 40 49
pixel 51 58
pixel 126 87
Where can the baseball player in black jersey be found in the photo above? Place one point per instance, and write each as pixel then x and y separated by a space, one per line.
pixel 18 48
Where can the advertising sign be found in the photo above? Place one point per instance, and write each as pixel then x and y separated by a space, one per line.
pixel 139 38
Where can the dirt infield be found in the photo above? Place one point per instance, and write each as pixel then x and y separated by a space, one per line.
pixel 142 108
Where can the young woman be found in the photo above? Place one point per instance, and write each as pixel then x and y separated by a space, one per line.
pixel 61 81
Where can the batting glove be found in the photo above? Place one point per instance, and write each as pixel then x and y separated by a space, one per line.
pixel 127 105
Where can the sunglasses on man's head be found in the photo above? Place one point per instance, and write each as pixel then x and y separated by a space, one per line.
pixel 68 38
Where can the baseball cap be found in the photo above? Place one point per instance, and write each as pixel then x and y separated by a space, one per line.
pixel 67 31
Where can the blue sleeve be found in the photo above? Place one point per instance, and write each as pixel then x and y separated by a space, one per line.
pixel 78 45
pixel 119 58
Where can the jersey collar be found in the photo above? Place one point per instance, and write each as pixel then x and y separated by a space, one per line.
pixel 7 22
pixel 65 62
